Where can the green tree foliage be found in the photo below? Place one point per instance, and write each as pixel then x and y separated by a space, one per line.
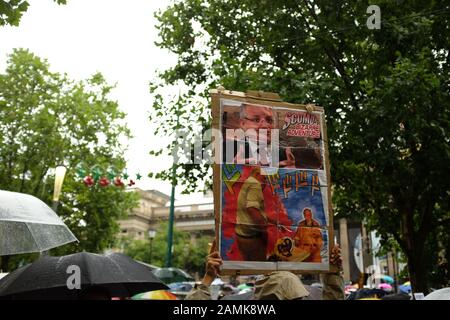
pixel 188 254
pixel 385 92
pixel 47 119
pixel 174 119
pixel 437 254
pixel 11 11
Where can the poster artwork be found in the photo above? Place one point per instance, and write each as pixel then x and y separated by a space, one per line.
pixel 300 124
pixel 274 206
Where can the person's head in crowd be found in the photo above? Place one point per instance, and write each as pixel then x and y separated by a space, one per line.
pixel 227 290
pixel 280 285
pixel 396 296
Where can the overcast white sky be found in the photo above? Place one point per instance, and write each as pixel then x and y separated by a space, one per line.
pixel 114 37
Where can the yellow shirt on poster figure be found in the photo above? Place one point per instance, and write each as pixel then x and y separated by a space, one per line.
pixel 250 196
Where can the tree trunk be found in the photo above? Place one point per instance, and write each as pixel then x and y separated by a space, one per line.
pixel 4 264
pixel 417 272
pixel 414 251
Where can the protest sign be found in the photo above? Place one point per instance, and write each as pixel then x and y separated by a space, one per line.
pixel 271 184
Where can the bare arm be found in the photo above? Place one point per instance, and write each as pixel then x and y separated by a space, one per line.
pixel 213 263
pixel 333 283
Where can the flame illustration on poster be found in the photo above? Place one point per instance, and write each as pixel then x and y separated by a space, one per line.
pixel 271 187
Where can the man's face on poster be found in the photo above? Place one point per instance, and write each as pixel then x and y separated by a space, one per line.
pixel 256 118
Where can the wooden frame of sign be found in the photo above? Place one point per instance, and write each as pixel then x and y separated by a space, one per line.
pixel 271 100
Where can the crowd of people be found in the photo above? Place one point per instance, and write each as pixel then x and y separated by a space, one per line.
pixel 278 285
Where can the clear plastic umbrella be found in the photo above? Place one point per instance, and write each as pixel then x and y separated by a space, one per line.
pixel 441 294
pixel 28 225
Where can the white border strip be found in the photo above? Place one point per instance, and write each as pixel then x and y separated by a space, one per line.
pixel 249 265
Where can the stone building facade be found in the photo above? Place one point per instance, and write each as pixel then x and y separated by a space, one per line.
pixel 154 208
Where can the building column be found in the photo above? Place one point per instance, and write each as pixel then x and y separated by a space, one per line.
pixel 343 239
pixel 390 264
pixel 366 248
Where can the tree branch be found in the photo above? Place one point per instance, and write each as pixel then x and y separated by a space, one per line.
pixel 334 58
pixel 41 176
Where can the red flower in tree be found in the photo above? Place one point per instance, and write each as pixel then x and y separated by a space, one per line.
pixel 104 182
pixel 88 181
pixel 131 183
pixel 118 182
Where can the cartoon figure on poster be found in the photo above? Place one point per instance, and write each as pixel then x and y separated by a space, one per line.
pixel 251 214
pixel 272 209
pixel 272 217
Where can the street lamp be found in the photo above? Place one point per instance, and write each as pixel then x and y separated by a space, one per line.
pixel 151 236
pixel 168 262
pixel 60 172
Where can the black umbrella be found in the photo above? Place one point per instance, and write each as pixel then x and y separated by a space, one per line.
pixel 48 277
pixel 366 293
